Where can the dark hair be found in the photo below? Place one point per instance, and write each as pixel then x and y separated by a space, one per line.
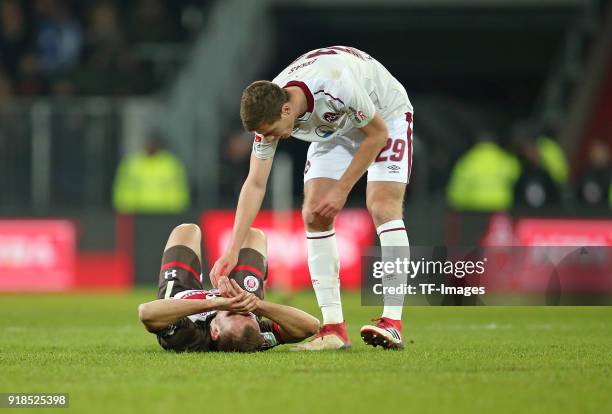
pixel 249 340
pixel 261 103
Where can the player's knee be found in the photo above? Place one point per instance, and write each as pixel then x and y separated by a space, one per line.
pixel 383 211
pixel 187 229
pixel 315 222
pixel 257 234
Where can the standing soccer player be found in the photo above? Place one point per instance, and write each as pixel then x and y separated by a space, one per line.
pixel 358 118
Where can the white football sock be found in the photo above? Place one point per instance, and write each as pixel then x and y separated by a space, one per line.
pixel 324 266
pixel 394 244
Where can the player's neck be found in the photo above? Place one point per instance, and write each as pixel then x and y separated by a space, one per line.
pixel 297 99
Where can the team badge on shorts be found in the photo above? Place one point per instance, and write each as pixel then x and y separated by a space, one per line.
pixel 251 283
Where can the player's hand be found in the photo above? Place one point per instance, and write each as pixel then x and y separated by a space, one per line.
pixel 332 203
pixel 243 302
pixel 223 266
pixel 228 289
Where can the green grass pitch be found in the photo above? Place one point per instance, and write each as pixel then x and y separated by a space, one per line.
pixel 485 359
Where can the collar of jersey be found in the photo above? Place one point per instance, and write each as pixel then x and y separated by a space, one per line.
pixel 309 99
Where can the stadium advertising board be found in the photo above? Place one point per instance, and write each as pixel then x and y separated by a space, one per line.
pixel 288 266
pixel 37 254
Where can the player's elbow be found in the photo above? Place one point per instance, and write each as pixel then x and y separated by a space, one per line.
pixel 312 327
pixel 146 316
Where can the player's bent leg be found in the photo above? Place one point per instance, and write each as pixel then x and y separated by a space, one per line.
pixel 314 190
pixel 251 271
pixel 324 266
pixel 256 239
pixel 186 234
pixel 385 203
pixel 181 262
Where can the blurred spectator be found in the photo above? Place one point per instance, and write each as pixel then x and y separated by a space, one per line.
pixel 6 89
pixel 63 87
pixel 14 36
pixel 152 181
pixel 483 178
pixel 149 24
pixel 29 78
pixel 535 187
pixel 59 38
pixel 595 185
pixel 109 68
pixel 553 159
pixel 235 163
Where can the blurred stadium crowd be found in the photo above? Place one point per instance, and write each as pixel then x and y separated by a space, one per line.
pixel 114 49
pixel 91 47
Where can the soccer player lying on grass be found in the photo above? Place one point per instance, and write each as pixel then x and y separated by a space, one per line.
pixel 187 318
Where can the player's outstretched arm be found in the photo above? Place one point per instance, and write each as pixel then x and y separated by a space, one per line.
pixel 159 314
pixel 249 203
pixel 294 325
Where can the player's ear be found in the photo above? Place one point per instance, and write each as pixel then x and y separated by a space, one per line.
pixel 214 330
pixel 285 110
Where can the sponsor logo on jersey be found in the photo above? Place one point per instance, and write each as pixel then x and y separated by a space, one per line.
pixel 324 131
pixel 393 168
pixel 251 283
pixel 301 65
pixel 331 117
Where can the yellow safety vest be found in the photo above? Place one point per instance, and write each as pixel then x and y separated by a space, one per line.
pixel 483 179
pixel 553 159
pixel 151 184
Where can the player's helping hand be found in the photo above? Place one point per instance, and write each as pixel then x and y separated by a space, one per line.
pixel 332 203
pixel 222 267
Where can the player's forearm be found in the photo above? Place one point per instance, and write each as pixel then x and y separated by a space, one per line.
pixel 249 203
pixel 368 150
pixel 158 314
pixel 295 325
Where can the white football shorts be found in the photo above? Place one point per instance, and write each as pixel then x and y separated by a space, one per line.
pixel 394 163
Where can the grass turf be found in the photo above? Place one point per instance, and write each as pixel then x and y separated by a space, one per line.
pixel 478 359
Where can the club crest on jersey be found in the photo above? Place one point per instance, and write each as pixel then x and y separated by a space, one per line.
pixel 324 131
pixel 331 117
pixel 251 283
pixel 359 115
pixel 307 167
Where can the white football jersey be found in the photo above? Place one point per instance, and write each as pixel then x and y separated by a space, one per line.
pixel 344 88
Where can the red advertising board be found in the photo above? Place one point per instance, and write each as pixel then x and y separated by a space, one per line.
pixel 524 254
pixel 37 255
pixel 563 232
pixel 287 258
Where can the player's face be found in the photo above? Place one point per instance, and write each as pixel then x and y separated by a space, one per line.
pixel 231 322
pixel 280 129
